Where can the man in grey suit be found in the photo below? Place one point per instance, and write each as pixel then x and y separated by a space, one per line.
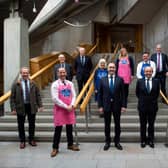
pixel 63 64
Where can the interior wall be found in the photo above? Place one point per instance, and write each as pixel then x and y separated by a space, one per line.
pixel 156 30
pixel 65 39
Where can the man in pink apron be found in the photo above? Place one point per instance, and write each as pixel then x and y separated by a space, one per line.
pixel 64 96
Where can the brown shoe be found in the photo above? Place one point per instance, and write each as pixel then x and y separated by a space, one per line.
pixel 22 145
pixel 54 152
pixel 33 143
pixel 73 148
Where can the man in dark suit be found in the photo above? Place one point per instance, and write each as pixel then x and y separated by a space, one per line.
pixel 63 64
pixel 161 61
pixel 25 100
pixel 147 91
pixel 83 67
pixel 111 99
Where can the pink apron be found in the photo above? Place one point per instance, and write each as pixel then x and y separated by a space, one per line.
pixel 61 115
pixel 124 70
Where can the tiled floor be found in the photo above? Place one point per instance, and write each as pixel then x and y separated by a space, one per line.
pixel 91 155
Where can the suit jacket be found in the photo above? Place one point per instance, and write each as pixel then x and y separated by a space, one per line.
pixel 17 100
pixel 104 96
pixel 83 70
pixel 68 68
pixel 147 101
pixel 164 61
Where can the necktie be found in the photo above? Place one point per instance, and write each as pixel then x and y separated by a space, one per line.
pixel 158 64
pixel 111 85
pixel 148 86
pixel 64 82
pixel 83 60
pixel 27 94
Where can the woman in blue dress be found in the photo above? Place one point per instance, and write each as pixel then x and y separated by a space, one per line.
pixel 100 72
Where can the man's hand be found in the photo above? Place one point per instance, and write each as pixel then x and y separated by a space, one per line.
pixel 70 108
pixel 13 112
pixel 123 109
pixel 40 109
pixel 101 109
pixel 166 73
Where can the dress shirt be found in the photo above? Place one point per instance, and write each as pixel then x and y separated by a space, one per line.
pixel 139 67
pixel 150 83
pixel 159 55
pixel 23 87
pixel 54 93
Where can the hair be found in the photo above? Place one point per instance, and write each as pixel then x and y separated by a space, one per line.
pixel 102 60
pixel 120 55
pixel 24 68
pixel 145 52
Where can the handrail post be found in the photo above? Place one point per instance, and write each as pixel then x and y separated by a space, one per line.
pixel 86 119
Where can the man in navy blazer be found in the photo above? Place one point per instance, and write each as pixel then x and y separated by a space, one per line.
pixel 147 91
pixel 63 64
pixel 161 61
pixel 111 99
pixel 83 67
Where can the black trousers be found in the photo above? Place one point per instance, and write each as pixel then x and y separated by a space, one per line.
pixel 81 82
pixel 107 127
pixel 147 117
pixel 21 122
pixel 162 79
pixel 126 91
pixel 57 135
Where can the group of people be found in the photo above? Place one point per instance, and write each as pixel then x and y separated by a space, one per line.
pixel 111 93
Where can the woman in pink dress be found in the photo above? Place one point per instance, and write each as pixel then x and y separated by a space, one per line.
pixel 64 96
pixel 125 69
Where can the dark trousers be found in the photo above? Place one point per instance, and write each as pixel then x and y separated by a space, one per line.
pixel 162 79
pixel 31 121
pixel 117 128
pixel 81 82
pixel 147 117
pixel 57 136
pixel 126 91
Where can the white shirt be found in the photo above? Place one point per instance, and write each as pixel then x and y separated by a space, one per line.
pixel 54 93
pixel 139 67
pixel 150 83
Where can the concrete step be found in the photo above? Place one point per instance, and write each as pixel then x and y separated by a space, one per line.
pixel 81 119
pixel 81 127
pixel 46 136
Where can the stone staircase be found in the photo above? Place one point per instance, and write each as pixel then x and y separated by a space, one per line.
pixel 95 133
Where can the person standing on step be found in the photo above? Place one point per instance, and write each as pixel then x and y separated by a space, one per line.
pixel 100 72
pixel 64 96
pixel 161 61
pixel 63 64
pixel 25 101
pixel 83 67
pixel 143 64
pixel 147 92
pixel 111 99
pixel 125 69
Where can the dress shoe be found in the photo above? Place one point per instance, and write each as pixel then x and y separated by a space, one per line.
pixel 22 145
pixel 33 143
pixel 54 152
pixel 143 144
pixel 106 146
pixel 151 144
pixel 73 148
pixel 118 146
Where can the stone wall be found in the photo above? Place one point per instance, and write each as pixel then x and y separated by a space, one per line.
pixel 156 30
pixel 64 39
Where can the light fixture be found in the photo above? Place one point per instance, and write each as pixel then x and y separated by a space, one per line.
pixel 34 7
